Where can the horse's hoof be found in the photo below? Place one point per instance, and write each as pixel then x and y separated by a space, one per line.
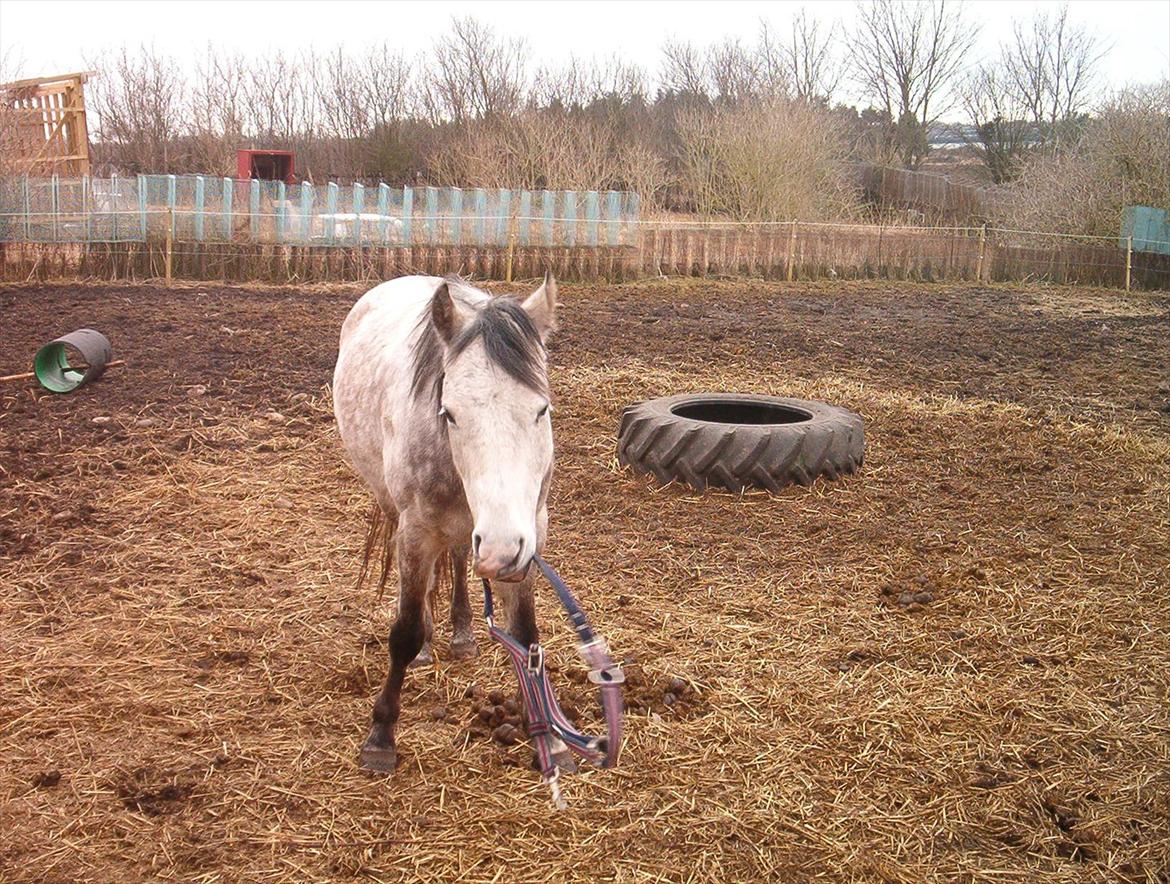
pixel 379 759
pixel 565 761
pixel 424 658
pixel 464 649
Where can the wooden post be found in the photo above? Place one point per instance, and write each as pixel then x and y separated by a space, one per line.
pixel 170 241
pixel 791 250
pixel 1128 260
pixel 511 248
pixel 982 252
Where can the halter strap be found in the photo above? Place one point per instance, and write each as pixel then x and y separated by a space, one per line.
pixel 547 723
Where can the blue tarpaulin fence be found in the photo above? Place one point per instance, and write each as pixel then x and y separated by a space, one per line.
pixel 201 208
pixel 1149 227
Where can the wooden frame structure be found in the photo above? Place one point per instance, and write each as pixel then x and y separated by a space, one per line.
pixel 43 128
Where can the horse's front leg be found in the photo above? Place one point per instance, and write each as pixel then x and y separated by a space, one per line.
pixel 463 646
pixel 416 569
pixel 521 610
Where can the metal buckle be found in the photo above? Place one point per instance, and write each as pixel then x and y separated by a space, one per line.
pixel 594 651
pixel 535 659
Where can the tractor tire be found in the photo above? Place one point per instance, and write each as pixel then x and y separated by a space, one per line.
pixel 736 441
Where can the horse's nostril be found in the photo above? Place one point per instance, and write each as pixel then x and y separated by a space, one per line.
pixel 475 541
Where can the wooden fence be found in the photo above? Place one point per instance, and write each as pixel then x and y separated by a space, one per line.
pixel 788 251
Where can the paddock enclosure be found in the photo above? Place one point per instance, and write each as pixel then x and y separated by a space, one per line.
pixel 950 666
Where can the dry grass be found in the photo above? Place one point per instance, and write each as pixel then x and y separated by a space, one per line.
pixel 192 659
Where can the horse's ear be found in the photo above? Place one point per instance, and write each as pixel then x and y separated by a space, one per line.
pixel 446 314
pixel 541 307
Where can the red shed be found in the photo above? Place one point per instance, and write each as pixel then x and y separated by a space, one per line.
pixel 267 165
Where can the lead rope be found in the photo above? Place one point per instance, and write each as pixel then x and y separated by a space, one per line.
pixel 549 727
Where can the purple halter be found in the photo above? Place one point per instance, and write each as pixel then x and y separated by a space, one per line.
pixel 548 726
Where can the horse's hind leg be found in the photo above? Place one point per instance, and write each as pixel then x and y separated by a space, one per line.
pixel 416 570
pixel 463 646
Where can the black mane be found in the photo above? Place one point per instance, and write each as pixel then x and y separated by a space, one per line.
pixel 510 340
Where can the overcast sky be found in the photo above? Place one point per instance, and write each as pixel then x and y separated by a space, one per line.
pixel 46 37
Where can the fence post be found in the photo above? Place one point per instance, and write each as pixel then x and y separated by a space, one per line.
pixel 383 211
pixel 199 195
pixel 142 205
pixel 511 247
pixel 306 209
pixel 170 241
pixel 1128 260
pixel 456 224
pixel 331 212
pixel 791 250
pixel 982 252
pixel 407 207
pixel 228 200
pixel 171 196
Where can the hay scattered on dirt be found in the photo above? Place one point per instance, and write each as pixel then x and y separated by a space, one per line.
pixel 950 665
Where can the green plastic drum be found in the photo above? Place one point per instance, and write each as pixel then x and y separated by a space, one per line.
pixel 52 366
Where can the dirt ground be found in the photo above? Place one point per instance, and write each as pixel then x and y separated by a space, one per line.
pixel 186 669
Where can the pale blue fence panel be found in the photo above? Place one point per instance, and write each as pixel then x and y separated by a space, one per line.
pixel 503 216
pixel 383 210
pixel 229 197
pixel 570 198
pixel 432 211
pixel 331 213
pixel 407 209
pixel 548 204
pixel 525 217
pixel 306 231
pixel 591 217
pixel 200 196
pixel 613 217
pixel 456 216
pixel 359 204
pixel 254 208
pixel 480 214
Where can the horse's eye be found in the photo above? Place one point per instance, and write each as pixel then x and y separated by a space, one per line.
pixel 447 416
pixel 542 412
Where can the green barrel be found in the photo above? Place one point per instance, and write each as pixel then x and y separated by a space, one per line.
pixel 52 367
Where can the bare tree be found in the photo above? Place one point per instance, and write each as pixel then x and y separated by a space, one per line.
pixel 1051 69
pixel 474 74
pixel 140 106
pixel 805 63
pixel 1001 130
pixel 905 56
pixel 684 70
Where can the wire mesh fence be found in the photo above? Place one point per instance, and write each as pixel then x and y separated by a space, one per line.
pixel 207 209
pixel 203 227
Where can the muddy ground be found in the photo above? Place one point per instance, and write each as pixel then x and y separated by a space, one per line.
pixel 186 670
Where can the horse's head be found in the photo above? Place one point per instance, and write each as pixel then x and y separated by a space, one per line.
pixel 494 399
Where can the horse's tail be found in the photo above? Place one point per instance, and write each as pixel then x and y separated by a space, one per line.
pixel 379 546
